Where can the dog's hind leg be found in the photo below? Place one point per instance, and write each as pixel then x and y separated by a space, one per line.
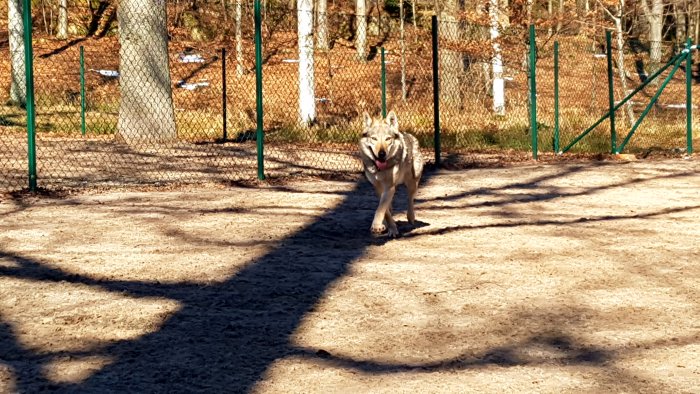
pixel 412 186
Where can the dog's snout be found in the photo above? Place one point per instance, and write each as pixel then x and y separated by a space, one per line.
pixel 382 154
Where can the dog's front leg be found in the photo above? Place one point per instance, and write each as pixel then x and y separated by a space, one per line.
pixel 383 212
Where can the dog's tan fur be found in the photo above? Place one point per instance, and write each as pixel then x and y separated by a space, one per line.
pixel 390 158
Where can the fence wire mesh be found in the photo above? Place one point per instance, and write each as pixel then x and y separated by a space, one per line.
pixel 159 98
pixel 584 96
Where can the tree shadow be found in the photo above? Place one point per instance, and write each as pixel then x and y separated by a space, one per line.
pixel 226 336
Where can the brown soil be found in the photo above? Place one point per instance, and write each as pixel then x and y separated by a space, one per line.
pixel 577 277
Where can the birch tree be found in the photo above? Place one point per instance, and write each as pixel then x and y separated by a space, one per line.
pixel 62 32
pixel 305 33
pixel 498 84
pixel 146 107
pixel 361 29
pixel 617 19
pixel 15 27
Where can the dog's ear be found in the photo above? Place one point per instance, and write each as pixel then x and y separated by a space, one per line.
pixel 366 119
pixel 392 121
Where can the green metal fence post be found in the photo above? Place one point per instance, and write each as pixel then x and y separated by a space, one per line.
pixel 224 93
pixel 556 97
pixel 436 90
pixel 533 91
pixel 259 90
pixel 611 93
pixel 82 91
pixel 31 110
pixel 383 84
pixel 689 98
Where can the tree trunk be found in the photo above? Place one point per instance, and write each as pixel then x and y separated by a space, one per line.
pixel 307 100
pixel 225 13
pixel 62 32
pixel 415 25
pixel 146 108
pixel 450 61
pixel 481 11
pixel 680 7
pixel 18 84
pixel 402 38
pixel 655 19
pixel 240 68
pixel 560 15
pixel 321 25
pixel 361 30
pixel 549 13
pixel 499 101
pixel 696 24
pixel 621 60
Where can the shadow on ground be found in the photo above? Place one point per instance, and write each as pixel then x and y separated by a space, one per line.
pixel 227 335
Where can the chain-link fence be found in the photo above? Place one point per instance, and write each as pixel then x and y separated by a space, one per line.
pixel 144 105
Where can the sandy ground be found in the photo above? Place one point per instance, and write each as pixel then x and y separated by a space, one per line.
pixel 538 278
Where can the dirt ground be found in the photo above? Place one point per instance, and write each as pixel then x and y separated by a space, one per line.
pixel 577 277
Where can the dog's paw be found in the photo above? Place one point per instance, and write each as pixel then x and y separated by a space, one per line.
pixel 378 228
pixel 411 216
pixel 393 232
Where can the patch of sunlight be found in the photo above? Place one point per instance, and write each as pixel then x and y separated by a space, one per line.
pixel 75 370
pixel 6 262
pixel 61 316
pixel 7 379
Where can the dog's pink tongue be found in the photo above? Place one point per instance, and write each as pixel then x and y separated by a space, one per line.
pixel 381 165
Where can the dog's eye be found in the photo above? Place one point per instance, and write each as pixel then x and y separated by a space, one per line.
pixel 389 139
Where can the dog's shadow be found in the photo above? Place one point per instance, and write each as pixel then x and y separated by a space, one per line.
pixel 406 228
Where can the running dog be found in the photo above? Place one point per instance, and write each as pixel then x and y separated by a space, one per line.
pixel 390 158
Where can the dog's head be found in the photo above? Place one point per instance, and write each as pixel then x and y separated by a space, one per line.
pixel 381 140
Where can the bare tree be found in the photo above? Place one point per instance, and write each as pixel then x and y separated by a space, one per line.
pixel 18 83
pixel 62 32
pixel 321 25
pixel 403 52
pixel 450 60
pixel 305 32
pixel 240 68
pixel 617 19
pixel 361 29
pixel 549 14
pixel 560 16
pixel 146 107
pixel 680 8
pixel 224 11
pixel 413 16
pixel 655 18
pixel 499 101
